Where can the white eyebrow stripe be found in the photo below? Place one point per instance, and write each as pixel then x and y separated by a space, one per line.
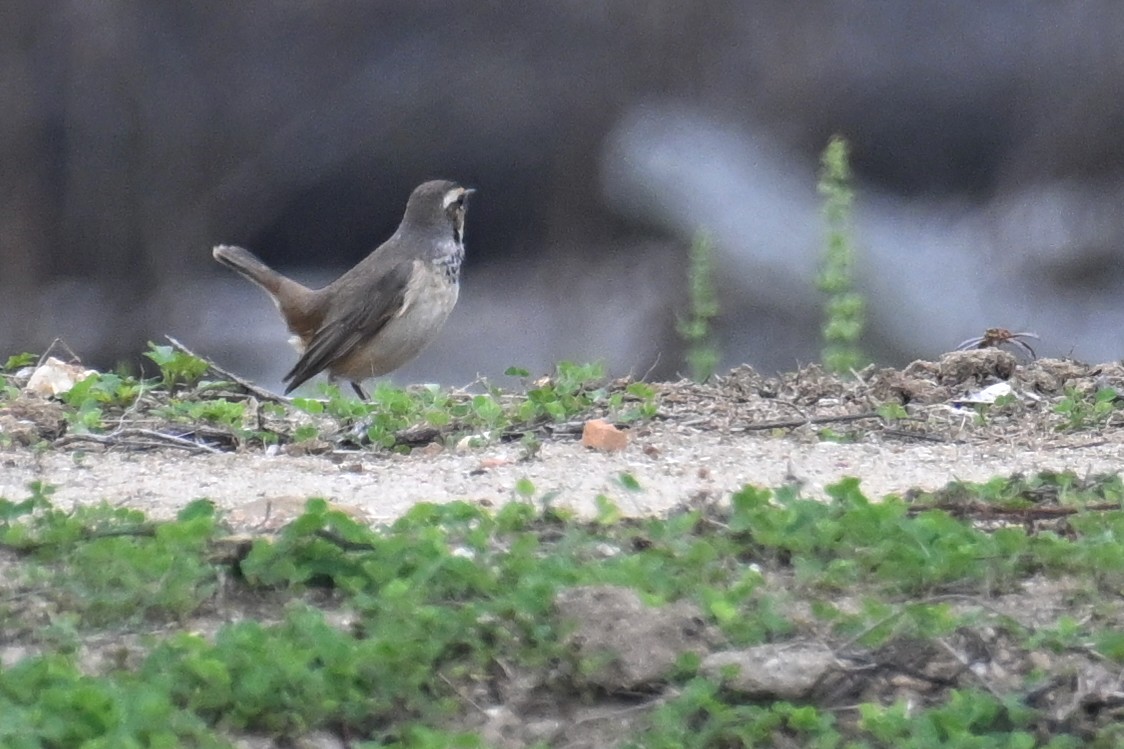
pixel 452 195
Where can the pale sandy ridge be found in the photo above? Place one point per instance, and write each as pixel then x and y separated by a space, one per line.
pixel 672 465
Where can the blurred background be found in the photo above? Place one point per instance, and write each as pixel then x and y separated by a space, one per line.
pixel 601 138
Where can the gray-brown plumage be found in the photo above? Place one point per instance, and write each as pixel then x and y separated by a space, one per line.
pixel 384 311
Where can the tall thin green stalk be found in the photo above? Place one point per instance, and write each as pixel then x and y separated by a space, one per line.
pixel 697 328
pixel 844 308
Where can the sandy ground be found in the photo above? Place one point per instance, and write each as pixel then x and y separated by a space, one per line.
pixel 707 441
pixel 672 465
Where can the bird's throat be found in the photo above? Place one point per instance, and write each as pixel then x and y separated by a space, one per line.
pixel 450 263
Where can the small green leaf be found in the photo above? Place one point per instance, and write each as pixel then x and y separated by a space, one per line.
pixel 628 481
pixel 525 488
pixel 19 361
pixel 608 513
pixel 198 508
pixel 893 412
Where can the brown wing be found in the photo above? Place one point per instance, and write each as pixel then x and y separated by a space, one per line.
pixel 352 326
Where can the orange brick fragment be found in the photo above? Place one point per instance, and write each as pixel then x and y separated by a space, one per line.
pixel 601 435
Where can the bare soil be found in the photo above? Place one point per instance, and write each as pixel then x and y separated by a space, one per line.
pixel 708 440
pixel 804 427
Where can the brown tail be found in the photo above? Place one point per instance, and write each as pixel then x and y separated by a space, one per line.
pixel 301 307
pixel 246 263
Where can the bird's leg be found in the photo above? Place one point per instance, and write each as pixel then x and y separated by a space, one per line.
pixel 359 391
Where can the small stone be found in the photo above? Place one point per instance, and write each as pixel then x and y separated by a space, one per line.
pixel 780 671
pixel 55 377
pixel 488 464
pixel 431 450
pixel 601 435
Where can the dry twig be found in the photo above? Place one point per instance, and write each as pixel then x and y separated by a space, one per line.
pixel 245 384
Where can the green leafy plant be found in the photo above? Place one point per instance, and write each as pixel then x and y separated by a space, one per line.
pixel 105 389
pixel 47 702
pixel 19 361
pixel 701 716
pixel 1086 411
pixel 573 390
pixel 122 409
pixel 878 540
pixel 220 411
pixel 382 633
pixel 107 564
pixel 892 412
pixel 176 367
pixel 845 308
